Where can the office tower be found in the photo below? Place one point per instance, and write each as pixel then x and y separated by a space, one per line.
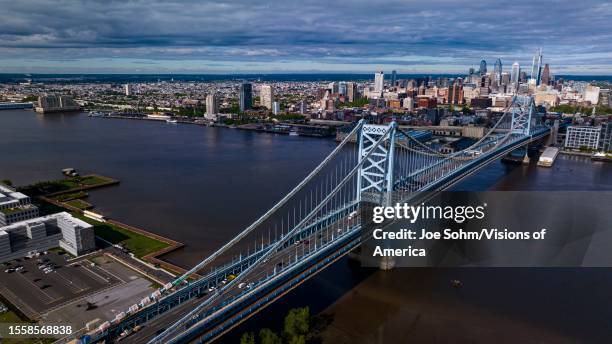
pixel 379 81
pixel 471 71
pixel 342 88
pixel 128 89
pixel 514 75
pixel 455 93
pixel 351 91
pixel 303 107
pixel 276 108
pixel 266 96
pixel 393 78
pixel 546 75
pixel 245 96
pixel 536 67
pixel 497 70
pixel 483 67
pixel 212 104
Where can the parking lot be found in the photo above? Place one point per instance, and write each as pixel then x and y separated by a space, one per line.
pixel 36 290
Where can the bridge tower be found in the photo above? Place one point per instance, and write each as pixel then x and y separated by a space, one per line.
pixel 375 177
pixel 523 109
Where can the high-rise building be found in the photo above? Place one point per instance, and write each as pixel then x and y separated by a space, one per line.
pixel 266 96
pixel 497 70
pixel 536 68
pixel 276 108
pixel 483 67
pixel 212 104
pixel 351 90
pixel 303 107
pixel 455 93
pixel 393 78
pixel 546 75
pixel 514 75
pixel 379 82
pixel 342 88
pixel 128 89
pixel 245 96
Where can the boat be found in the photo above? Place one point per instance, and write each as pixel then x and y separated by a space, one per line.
pixel 173 121
pixel 293 133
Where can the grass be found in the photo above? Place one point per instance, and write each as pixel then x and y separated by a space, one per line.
pixel 79 203
pixel 140 245
pixel 70 196
pixel 62 185
pixel 11 317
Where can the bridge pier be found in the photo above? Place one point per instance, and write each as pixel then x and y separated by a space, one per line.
pixel 526 159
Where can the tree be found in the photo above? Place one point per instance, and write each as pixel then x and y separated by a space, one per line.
pixel 6 182
pixel 297 325
pixel 247 338
pixel 267 336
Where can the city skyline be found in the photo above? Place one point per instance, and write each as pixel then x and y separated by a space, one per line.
pixel 313 36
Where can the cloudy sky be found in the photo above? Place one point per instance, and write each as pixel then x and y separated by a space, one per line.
pixel 434 36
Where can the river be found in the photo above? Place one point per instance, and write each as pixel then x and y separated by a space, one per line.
pixel 201 186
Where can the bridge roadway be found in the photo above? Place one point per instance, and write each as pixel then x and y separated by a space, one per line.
pixel 286 254
pixel 235 311
pixel 280 260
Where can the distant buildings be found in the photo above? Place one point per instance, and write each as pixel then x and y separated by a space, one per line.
pixel 536 68
pixel 48 104
pixel 128 89
pixel 245 96
pixel 266 96
pixel 497 71
pixel 514 74
pixel 591 94
pixel 483 68
pixel 546 75
pixel 276 108
pixel 393 78
pixel 351 90
pixel 379 82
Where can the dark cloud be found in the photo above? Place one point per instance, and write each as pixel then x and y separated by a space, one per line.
pixel 430 35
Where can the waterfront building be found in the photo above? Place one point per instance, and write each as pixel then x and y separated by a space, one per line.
pixel 379 82
pixel 15 106
pixel 15 206
pixel 42 233
pixel 56 103
pixel 245 97
pixel 212 105
pixel 605 142
pixel 578 137
pixel 266 96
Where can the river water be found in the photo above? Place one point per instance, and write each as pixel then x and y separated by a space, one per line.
pixel 202 185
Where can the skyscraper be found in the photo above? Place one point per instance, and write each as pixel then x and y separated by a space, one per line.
pixel 245 96
pixel 128 89
pixel 514 75
pixel 546 75
pixel 483 67
pixel 342 88
pixel 351 91
pixel 266 96
pixel 393 78
pixel 536 68
pixel 379 81
pixel 497 70
pixel 212 104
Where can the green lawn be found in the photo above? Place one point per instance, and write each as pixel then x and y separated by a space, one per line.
pixel 79 203
pixel 70 196
pixel 137 243
pixel 53 186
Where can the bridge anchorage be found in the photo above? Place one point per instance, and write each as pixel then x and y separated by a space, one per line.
pixel 315 224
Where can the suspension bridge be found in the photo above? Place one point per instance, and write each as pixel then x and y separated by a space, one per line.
pixel 315 224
